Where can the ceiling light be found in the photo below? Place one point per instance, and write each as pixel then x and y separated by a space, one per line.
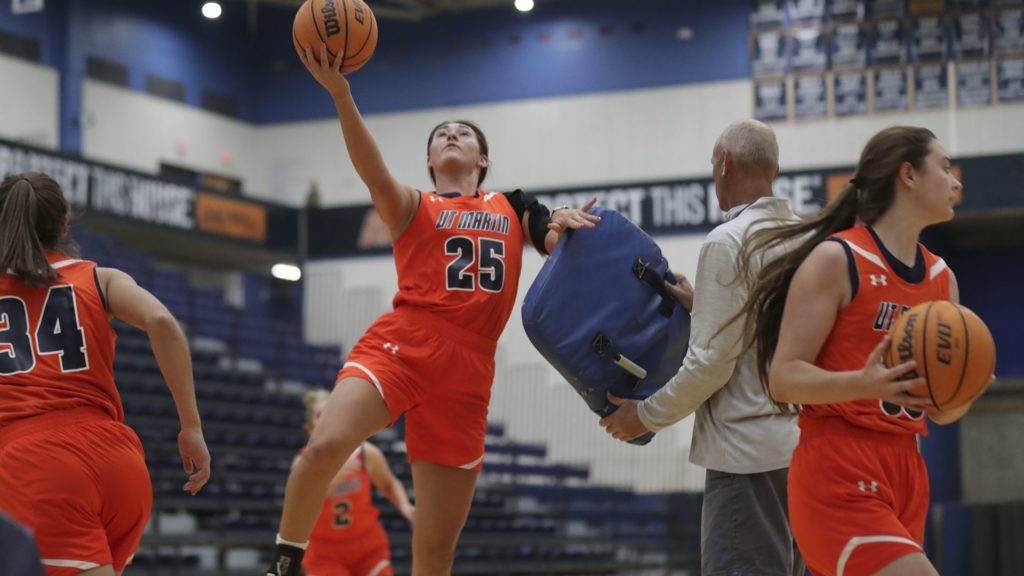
pixel 524 5
pixel 212 10
pixel 286 272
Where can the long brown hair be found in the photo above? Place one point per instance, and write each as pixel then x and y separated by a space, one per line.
pixel 866 198
pixel 480 138
pixel 33 219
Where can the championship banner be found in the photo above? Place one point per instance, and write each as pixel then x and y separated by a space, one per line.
pixel 890 89
pixel 929 42
pixel 888 46
pixel 768 53
pixel 970 36
pixel 770 100
pixel 806 11
pixel 1010 72
pixel 974 83
pixel 1008 31
pixel 808 49
pixel 850 90
pixel 767 13
pixel 848 48
pixel 810 96
pixel 846 10
pixel 931 85
pixel 101 188
pixel 887 8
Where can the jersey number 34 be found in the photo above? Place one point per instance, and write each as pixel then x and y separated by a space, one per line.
pixel 58 332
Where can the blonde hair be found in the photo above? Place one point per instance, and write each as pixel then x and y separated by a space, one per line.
pixel 311 398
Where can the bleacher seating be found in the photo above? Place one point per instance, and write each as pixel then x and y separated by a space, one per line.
pixel 529 515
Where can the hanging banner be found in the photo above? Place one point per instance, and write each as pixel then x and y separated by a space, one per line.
pixel 1010 72
pixel 810 96
pixel 931 85
pixel 890 89
pixel 808 49
pixel 886 8
pixel 767 13
pixel 929 39
pixel 850 90
pixel 974 83
pixel 768 53
pixel 970 36
pixel 806 11
pixel 848 48
pixel 1008 31
pixel 770 100
pixel 846 10
pixel 888 45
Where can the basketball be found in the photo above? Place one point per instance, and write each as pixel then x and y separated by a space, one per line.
pixel 953 348
pixel 347 27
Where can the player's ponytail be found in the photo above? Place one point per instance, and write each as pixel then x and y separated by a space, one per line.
pixel 867 197
pixel 33 219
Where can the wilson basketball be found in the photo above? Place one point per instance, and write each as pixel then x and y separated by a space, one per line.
pixel 953 348
pixel 347 27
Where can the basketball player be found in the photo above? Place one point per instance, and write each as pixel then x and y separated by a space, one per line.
pixel 458 253
pixel 347 539
pixel 858 487
pixel 70 469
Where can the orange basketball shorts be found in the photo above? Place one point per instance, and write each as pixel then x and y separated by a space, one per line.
pixel 78 480
pixel 436 373
pixel 365 555
pixel 858 498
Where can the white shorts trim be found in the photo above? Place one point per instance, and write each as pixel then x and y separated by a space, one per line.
pixel 473 464
pixel 373 377
pixel 70 563
pixel 858 540
pixel 379 567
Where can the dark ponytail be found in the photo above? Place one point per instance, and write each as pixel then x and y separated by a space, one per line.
pixel 33 219
pixel 866 198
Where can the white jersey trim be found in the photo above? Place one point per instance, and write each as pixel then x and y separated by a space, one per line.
pixel 373 377
pixel 873 258
pixel 858 540
pixel 473 464
pixel 937 269
pixel 70 563
pixel 64 263
pixel 379 568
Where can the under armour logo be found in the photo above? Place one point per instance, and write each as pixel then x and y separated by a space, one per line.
pixel 489 195
pixel 878 280
pixel 391 348
pixel 865 486
pixel 435 198
pixel 283 564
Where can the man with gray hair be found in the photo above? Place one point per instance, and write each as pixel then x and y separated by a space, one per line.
pixel 739 436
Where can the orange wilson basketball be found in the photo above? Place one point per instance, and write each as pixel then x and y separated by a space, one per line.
pixel 347 27
pixel 953 348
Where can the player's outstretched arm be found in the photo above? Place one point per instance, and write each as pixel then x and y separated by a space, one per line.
pixel 395 201
pixel 128 301
pixel 385 481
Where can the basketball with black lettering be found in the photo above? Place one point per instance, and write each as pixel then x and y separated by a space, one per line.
pixel 347 27
pixel 953 349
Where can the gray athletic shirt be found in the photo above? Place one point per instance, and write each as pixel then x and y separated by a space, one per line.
pixel 737 429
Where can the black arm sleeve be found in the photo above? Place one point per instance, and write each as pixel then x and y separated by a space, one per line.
pixel 523 203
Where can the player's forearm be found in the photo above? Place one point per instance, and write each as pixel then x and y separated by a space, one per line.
pixel 800 382
pixel 362 148
pixel 172 356
pixel 395 493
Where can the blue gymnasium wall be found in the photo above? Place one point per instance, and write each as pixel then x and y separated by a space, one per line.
pixel 499 54
pixel 561 48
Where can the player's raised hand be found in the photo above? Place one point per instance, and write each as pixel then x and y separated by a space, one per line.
pixel 195 459
pixel 326 73
pixel 572 218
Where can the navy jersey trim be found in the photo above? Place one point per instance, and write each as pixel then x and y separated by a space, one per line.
pixel 912 275
pixel 103 297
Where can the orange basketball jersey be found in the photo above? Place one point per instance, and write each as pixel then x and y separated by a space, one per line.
pixel 883 288
pixel 56 344
pixel 460 259
pixel 348 512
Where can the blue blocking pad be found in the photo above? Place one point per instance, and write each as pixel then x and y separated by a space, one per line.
pixel 599 313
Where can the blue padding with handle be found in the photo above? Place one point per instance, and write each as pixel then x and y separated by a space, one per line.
pixel 598 312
